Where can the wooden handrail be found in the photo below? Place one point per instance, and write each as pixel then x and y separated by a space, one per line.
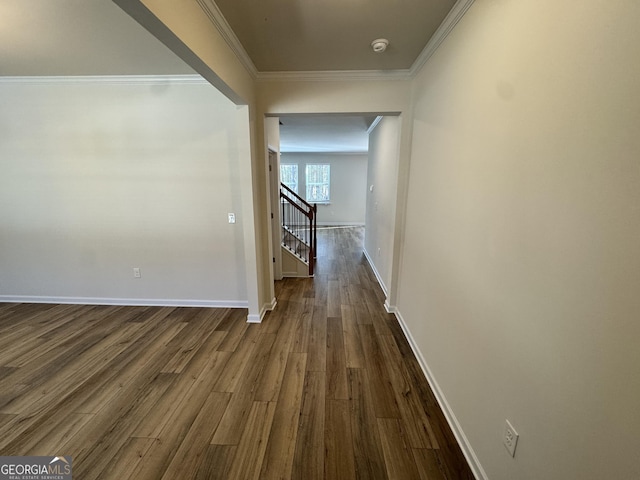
pixel 307 213
pixel 304 246
pixel 298 197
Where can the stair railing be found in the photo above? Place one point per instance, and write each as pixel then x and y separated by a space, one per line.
pixel 299 226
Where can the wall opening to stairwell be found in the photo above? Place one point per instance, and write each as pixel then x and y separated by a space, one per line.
pixel 361 152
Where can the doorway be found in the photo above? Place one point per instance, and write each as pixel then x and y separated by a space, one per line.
pixel 362 152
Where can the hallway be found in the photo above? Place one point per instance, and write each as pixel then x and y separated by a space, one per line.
pixel 326 387
pixel 380 419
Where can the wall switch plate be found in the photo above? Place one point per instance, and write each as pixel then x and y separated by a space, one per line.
pixel 232 218
pixel 136 272
pixel 510 438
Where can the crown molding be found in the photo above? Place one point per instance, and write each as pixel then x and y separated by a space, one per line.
pixel 443 31
pixel 108 80
pixel 333 75
pixel 212 11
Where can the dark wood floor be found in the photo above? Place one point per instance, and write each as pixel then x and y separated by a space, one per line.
pixel 326 387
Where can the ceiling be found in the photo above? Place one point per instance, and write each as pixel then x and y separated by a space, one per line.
pixel 303 35
pixel 96 37
pixel 324 133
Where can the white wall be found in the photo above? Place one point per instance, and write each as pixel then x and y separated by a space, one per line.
pixel 272 136
pixel 98 178
pixel 382 175
pixel 188 31
pixel 348 185
pixel 521 263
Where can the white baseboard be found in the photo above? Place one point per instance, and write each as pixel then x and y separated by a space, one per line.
pixel 257 318
pixel 389 308
pixel 295 275
pixel 461 438
pixel 340 224
pixel 133 302
pixel 272 305
pixel 375 272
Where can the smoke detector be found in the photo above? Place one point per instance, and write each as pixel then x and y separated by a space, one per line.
pixel 379 45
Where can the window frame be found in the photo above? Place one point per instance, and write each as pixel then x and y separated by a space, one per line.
pixel 296 169
pixel 320 184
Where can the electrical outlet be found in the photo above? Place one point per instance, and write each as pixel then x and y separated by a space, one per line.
pixel 136 272
pixel 232 218
pixel 510 438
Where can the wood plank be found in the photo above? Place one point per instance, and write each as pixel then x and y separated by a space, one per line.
pixel 273 320
pixel 6 372
pixel 319 290
pixel 413 367
pixel 49 436
pixel 234 322
pixel 62 375
pixel 308 461
pixel 270 383
pixel 362 315
pixel 412 410
pixel 367 449
pixel 191 453
pixel 258 361
pixel 356 295
pixel 15 334
pixel 60 329
pixel 384 399
pixel 189 340
pixel 23 312
pixel 278 459
pixel 178 423
pixel 38 372
pixel 317 360
pixel 135 364
pixel 337 386
pixel 428 464
pixel 127 459
pixel 339 456
pixel 94 447
pixel 156 420
pixel 6 418
pixel 238 361
pixel 302 329
pixel 234 419
pixel 397 452
pixel 379 318
pixel 250 451
pixel 354 355
pixel 216 464
pixel 80 362
pixel 333 299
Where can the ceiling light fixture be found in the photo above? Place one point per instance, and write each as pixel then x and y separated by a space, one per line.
pixel 379 45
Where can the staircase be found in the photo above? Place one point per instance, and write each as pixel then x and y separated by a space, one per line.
pixel 298 226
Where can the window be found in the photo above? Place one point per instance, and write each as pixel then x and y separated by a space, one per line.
pixel 289 176
pixel 318 181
